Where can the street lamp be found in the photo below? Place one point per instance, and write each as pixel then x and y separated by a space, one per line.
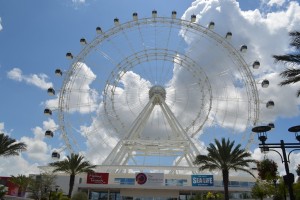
pixel 262 136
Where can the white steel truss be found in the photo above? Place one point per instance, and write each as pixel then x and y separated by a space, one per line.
pixel 179 144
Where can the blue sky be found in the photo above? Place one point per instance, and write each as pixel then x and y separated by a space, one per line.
pixel 35 36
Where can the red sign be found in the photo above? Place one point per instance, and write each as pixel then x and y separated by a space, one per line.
pixel 97 178
pixel 12 188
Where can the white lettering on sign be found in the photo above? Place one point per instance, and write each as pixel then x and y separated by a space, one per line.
pixel 202 180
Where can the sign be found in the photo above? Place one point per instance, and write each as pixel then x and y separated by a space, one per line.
pixel 97 178
pixel 12 188
pixel 202 180
pixel 124 181
pixel 176 182
pixel 149 178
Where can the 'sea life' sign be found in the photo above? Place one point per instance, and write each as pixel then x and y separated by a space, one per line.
pixel 202 180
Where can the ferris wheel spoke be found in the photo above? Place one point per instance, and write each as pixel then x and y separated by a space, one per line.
pixel 154 62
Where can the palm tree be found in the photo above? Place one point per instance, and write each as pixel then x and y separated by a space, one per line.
pixel 9 146
pixel 22 182
pixel 224 157
pixel 291 75
pixel 73 165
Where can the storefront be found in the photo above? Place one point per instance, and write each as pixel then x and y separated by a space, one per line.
pixel 146 186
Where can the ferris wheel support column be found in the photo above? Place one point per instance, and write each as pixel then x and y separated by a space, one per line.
pixel 136 128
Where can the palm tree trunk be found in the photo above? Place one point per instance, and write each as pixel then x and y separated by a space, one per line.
pixel 71 184
pixel 225 174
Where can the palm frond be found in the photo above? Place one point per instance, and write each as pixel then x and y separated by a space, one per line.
pixel 290 59
pixel 295 42
pixel 10 147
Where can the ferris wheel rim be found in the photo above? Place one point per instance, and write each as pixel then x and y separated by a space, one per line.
pixel 252 91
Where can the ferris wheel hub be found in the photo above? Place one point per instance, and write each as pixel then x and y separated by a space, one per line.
pixel 157 90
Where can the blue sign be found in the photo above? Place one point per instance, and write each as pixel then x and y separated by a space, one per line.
pixel 202 180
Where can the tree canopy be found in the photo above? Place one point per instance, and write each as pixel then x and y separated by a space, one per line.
pixel 225 156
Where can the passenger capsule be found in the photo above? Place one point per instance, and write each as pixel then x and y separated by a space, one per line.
pixel 174 14
pixel 49 134
pixel 154 13
pixel 51 91
pixel 55 155
pixel 228 35
pixel 193 18
pixel 83 41
pixel 116 21
pixel 69 55
pixel 211 25
pixel 256 64
pixel 270 104
pixel 135 16
pixel 243 48
pixel 98 30
pixel 47 111
pixel 265 83
pixel 58 72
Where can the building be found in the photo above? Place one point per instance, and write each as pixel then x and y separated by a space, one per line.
pixel 115 186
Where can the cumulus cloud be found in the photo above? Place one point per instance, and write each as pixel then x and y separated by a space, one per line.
pixel 1 126
pixel 1 24
pixel 37 154
pixel 38 80
pixel 17 165
pixel 258 29
pixel 78 1
pixel 275 2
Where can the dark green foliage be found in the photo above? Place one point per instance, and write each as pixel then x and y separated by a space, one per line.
pixel 73 165
pixel 22 182
pixel 267 169
pixel 291 75
pixel 80 196
pixel 298 170
pixel 3 191
pixel 262 189
pixel 224 156
pixel 39 186
pixel 9 146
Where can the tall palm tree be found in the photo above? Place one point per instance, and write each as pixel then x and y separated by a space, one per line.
pixel 73 165
pixel 224 156
pixel 291 75
pixel 9 146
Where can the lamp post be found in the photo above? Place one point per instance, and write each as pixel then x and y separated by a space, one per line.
pixel 262 136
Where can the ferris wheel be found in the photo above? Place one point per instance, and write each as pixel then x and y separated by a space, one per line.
pixel 150 87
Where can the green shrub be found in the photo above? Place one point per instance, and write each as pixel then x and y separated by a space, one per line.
pixel 80 196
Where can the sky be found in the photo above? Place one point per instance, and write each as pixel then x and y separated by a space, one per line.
pixel 34 39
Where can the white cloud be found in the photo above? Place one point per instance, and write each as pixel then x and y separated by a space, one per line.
pixel 258 31
pixel 78 1
pixel 1 127
pixel 1 25
pixel 17 165
pixel 28 161
pixel 38 80
pixel 38 152
pixel 276 2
